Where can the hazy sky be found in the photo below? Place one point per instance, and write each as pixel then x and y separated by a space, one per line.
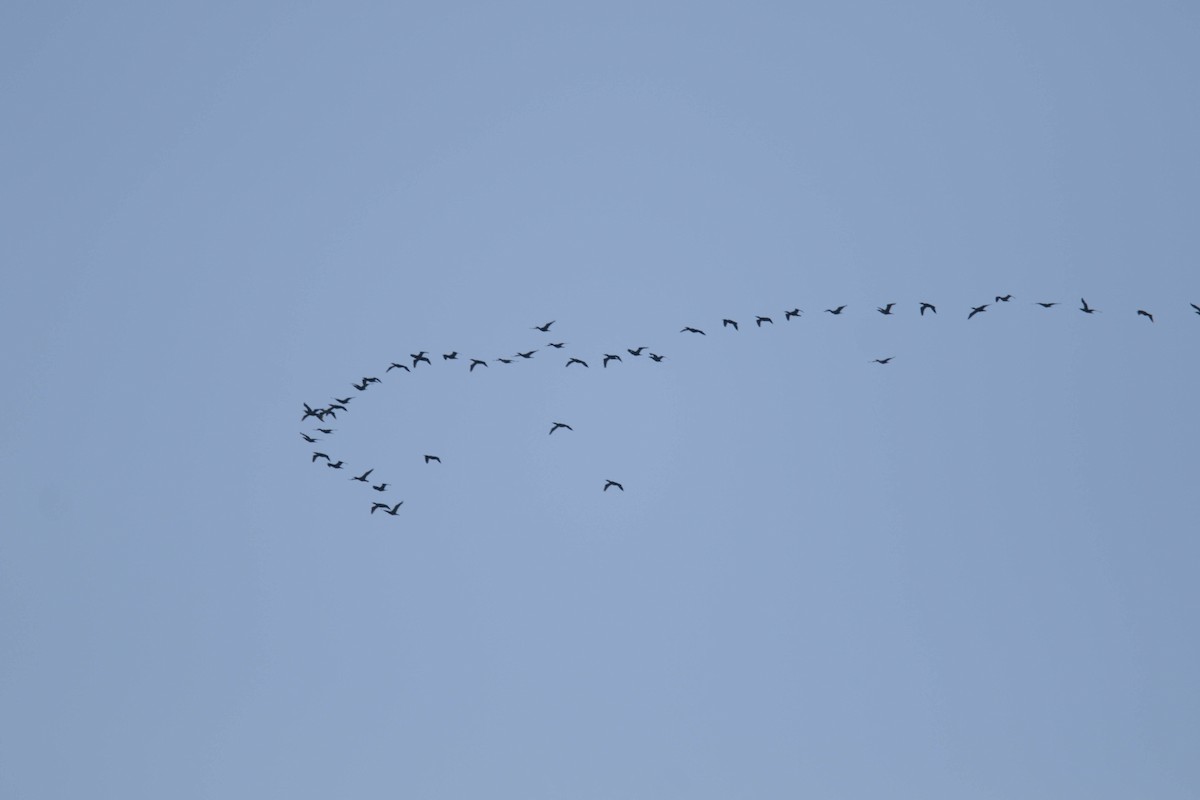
pixel 969 573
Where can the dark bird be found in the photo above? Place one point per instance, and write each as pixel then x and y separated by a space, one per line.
pixel 377 506
pixel 317 455
pixel 1003 298
pixel 528 354
pixel 475 362
pixel 609 357
pixel 1046 305
pixel 693 330
pixel 309 411
pixel 432 458
pixel 725 323
pixel 758 321
pixel 363 477
pixel 380 488
pixel 450 356
pixel 558 345
pixel 544 328
pixel 397 366
pixel 309 439
pixel 1086 308
pixel 362 387
pixel 835 311
pixel 929 306
pixel 393 509
pixel 608 483
pixel 882 360
pixel 887 310
pixel 558 425
pixel 574 360
pixel 421 356
pixel 656 357
pixel 348 399
pixel 338 465
pixel 978 310
pixel 325 431
pixel 326 413
pixel 636 352
pixel 795 312
pixel 1193 305
pixel 1146 314
pixel 505 360
pixel 372 380
pixel 335 407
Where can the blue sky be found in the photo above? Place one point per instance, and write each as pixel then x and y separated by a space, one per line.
pixel 968 573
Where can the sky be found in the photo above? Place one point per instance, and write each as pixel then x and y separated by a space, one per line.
pixel 966 573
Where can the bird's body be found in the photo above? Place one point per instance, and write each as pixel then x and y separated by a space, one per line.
pixel 978 310
pixel 835 311
pixel 362 387
pixel 505 360
pixel 558 425
pixel 544 328
pixel 317 455
pixel 419 357
pixel 432 458
pixel 380 488
pixel 693 330
pixel 758 321
pixel 332 465
pixel 558 345
pixel 787 315
pixel 929 306
pixel 656 357
pixel 528 354
pixel 609 357
pixel 1003 298
pixel 452 356
pixel 574 360
pixel 636 352
pixel 476 362
pixel 394 365
pixel 1146 314
pixel 886 310
pixel 325 431
pixel 363 477
pixel 1086 308
pixel 309 439
pixel 726 323
pixel 608 483
pixel 393 509
pixel 1046 305
pixel 882 360
pixel 376 506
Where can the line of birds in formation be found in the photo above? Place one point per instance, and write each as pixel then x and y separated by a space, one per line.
pixel 340 403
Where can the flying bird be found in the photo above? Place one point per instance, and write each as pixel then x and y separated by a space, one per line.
pixel 1086 308
pixel 787 315
pixel 608 483
pixel 656 357
pixel 693 330
pixel 636 352
pixel 978 310
pixel 609 357
pixel 505 360
pixel 1146 314
pixel 528 354
pixel 393 509
pixel 758 321
pixel 451 356
pixel 1193 305
pixel 397 366
pixel 363 477
pixel 835 311
pixel 1003 298
pixel 309 439
pixel 325 431
pixel 574 360
pixel 337 406
pixel 421 356
pixel 882 360
pixel 371 380
pixel 380 488
pixel 544 328
pixel 475 362
pixel 558 425
pixel 432 458
pixel 929 306
pixel 309 411
pixel 338 465
pixel 376 506
pixel 347 399
pixel 725 323
pixel 1046 305
pixel 317 455
pixel 886 310
pixel 558 345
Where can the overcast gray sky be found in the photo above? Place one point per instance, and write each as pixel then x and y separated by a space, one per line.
pixel 967 573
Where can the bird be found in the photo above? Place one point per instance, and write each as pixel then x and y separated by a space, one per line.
pixel 432 458
pixel 1046 305
pixel 1193 305
pixel 558 425
pixel 505 360
pixel 325 413
pixel 393 509
pixel 397 366
pixel 451 356
pixel 544 328
pixel 338 465
pixel 348 399
pixel 726 323
pixel 363 477
pixel 693 330
pixel 978 310
pixel 420 357
pixel 337 406
pixel 309 439
pixel 380 488
pixel 325 431
pixel 528 354
pixel 929 306
pixel 574 360
pixel 883 360
pixel 609 357
pixel 656 357
pixel 787 315
pixel 309 411
pixel 475 362
pixel 362 387
pixel 886 310
pixel 1086 308
pixel 835 311
pixel 317 455
pixel 558 345
pixel 636 352
pixel 1003 298
pixel 758 321
pixel 608 483
pixel 1146 314
pixel 376 506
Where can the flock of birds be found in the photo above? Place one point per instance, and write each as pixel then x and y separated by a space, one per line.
pixel 341 404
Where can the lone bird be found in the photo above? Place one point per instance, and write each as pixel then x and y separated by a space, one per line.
pixel 432 458
pixel 693 330
pixel 609 357
pixel 475 362
pixel 787 315
pixel 421 356
pixel 380 488
pixel 608 483
pixel 1146 314
pixel 978 310
pixel 309 439
pixel 1003 298
pixel 558 425
pixel 636 352
pixel 573 360
pixel 886 310
pixel 760 320
pixel 338 465
pixel 397 366
pixel 1086 308
pixel 317 455
pixel 363 477
pixel 725 323
pixel 544 328
pixel 835 311
pixel 1046 305
pixel 883 360
pixel 451 356
pixel 656 357
pixel 929 306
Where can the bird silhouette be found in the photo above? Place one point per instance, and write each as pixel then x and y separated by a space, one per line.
pixel 376 506
pixel 835 311
pixel 636 352
pixel 309 439
pixel 331 465
pixel 1003 298
pixel 544 328
pixel 1146 314
pixel 608 483
pixel 451 356
pixel 317 455
pixel 370 380
pixel 394 365
pixel 758 321
pixel 325 413
pixel 883 360
pixel 1046 305
pixel 693 330
pixel 380 488
pixel 335 406
pixel 348 399
pixel 527 354
pixel 886 310
pixel 1086 308
pixel 325 431
pixel 787 315
pixel 393 509
pixel 725 323
pixel 432 458
pixel 978 310
pixel 1193 305
pixel 505 360
pixel 574 360
pixel 609 357
pixel 309 411
pixel 656 357
pixel 418 357
pixel 558 425
pixel 363 477
pixel 558 345
pixel 929 306
pixel 475 362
